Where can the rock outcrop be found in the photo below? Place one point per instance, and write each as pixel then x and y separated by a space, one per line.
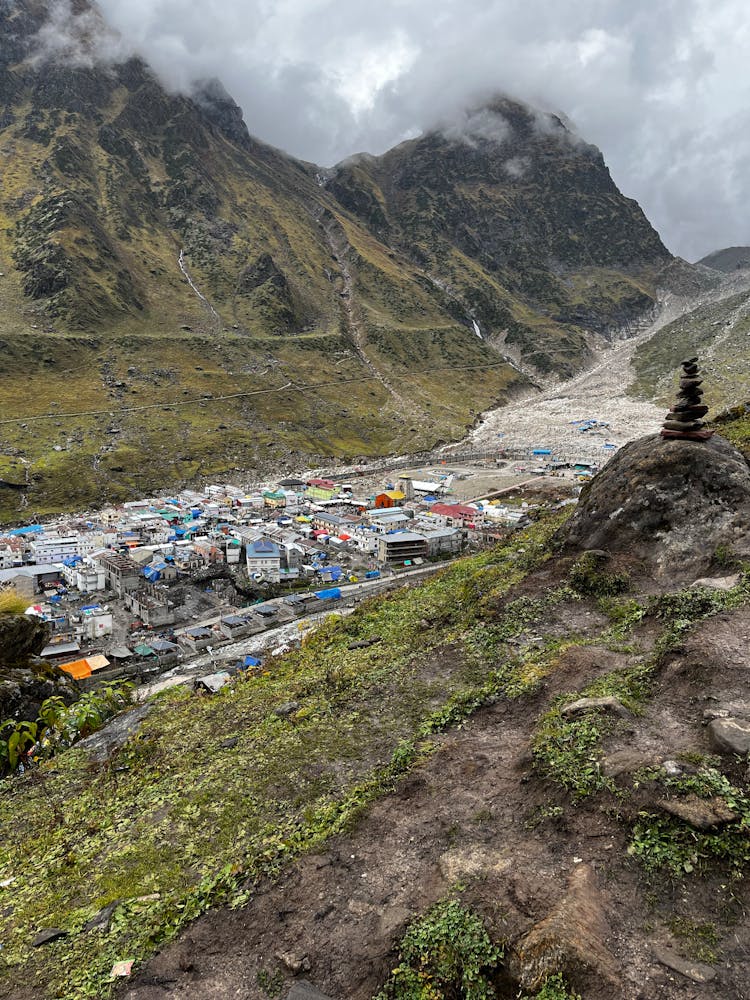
pixel 669 504
pixel 25 681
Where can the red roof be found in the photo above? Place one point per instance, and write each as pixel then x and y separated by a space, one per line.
pixel 454 510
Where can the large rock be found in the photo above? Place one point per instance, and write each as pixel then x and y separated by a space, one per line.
pixel 730 735
pixel 26 682
pixel 668 503
pixel 573 939
pixel 21 637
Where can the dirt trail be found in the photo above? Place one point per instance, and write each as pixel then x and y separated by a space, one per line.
pixel 343 909
pixel 338 246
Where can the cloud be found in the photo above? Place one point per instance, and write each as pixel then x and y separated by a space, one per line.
pixel 79 38
pixel 661 88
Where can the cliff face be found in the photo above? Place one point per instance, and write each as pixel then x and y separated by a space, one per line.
pixel 521 219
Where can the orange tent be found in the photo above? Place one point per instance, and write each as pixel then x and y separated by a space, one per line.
pixel 78 669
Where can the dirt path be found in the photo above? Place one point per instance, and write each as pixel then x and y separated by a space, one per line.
pixel 338 246
pixel 344 908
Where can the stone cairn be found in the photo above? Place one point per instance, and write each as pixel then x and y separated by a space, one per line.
pixel 685 419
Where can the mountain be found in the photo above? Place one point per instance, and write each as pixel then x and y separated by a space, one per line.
pixel 180 300
pixel 716 326
pixel 728 260
pixel 520 221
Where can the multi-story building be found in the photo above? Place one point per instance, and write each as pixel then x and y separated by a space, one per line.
pixel 263 560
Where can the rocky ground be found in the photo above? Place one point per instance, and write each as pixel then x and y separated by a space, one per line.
pixel 601 392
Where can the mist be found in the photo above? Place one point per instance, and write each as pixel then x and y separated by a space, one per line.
pixel 661 88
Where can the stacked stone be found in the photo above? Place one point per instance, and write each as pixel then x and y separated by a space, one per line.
pixel 685 419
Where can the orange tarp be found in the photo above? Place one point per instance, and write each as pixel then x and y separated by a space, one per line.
pixel 78 669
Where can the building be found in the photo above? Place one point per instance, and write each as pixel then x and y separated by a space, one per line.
pixel 97 623
pixel 151 605
pixel 390 498
pixel 442 540
pixel 89 577
pixel 30 580
pixel 54 548
pixel 457 515
pixel 402 546
pixel 121 573
pixel 263 560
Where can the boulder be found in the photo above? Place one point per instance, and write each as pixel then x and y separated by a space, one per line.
pixel 607 703
pixel 695 971
pixel 730 735
pixel 305 991
pixel 718 582
pixel 703 814
pixel 21 637
pixel 667 503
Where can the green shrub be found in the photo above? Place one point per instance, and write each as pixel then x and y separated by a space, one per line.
pixel 588 575
pixel 554 988
pixel 445 955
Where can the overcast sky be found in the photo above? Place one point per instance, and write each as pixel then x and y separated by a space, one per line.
pixel 661 86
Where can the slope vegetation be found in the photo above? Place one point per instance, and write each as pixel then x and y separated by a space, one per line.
pixel 445 776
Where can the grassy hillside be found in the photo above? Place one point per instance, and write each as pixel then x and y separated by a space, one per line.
pixel 719 333
pixel 444 756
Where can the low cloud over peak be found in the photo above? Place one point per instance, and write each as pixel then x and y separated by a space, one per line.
pixel 661 88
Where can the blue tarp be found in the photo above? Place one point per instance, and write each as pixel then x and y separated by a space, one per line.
pixel 332 594
pixel 373 574
pixel 251 661
pixel 91 607
pixel 542 451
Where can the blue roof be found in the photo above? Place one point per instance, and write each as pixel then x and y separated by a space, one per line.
pixel 332 594
pixel 262 548
pixel 32 529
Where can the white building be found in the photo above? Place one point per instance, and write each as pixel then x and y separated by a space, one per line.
pixel 54 548
pixel 97 623
pixel 89 577
pixel 263 561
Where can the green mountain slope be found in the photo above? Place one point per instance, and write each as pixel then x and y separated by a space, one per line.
pixel 180 300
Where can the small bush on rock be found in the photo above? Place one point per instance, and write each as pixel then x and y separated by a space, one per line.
pixel 589 575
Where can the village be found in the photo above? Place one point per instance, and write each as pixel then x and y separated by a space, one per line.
pixel 155 584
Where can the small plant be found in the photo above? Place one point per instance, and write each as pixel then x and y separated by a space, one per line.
pixel 543 813
pixel 16 742
pixel 700 940
pixel 445 955
pixel 13 603
pixel 589 576
pixel 554 988
pixel 664 843
pixel 58 726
